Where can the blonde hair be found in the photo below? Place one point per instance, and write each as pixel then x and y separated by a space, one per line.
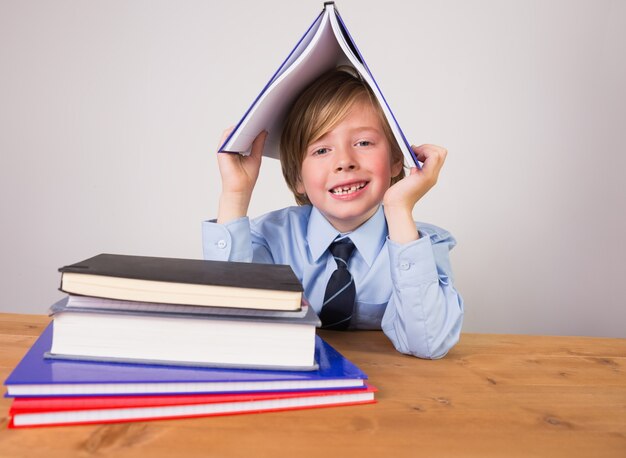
pixel 318 110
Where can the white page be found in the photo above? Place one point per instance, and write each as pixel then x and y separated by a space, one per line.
pixel 111 304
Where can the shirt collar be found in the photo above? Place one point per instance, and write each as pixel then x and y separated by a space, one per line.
pixel 368 238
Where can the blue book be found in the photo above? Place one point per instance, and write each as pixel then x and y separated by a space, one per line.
pixel 325 45
pixel 37 376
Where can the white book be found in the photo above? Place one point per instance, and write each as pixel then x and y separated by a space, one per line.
pixel 325 45
pixel 180 335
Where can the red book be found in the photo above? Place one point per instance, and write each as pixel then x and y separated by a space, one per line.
pixel 30 412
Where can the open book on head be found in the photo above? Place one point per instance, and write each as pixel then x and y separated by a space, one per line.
pixel 325 45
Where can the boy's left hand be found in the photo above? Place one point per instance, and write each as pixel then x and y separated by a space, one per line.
pixel 406 192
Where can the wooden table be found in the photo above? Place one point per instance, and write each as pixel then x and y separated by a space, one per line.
pixel 492 396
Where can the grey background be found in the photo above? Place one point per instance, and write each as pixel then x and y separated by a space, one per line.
pixel 110 113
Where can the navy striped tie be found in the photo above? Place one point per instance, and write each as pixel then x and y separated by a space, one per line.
pixel 340 291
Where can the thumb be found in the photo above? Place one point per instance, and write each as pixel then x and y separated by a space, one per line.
pixel 258 144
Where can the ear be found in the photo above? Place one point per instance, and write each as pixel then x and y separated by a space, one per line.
pixel 300 187
pixel 396 168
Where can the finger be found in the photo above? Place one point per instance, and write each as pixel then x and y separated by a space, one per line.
pixel 258 144
pixel 431 156
pixel 425 151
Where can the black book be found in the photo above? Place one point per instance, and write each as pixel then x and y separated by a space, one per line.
pixel 184 281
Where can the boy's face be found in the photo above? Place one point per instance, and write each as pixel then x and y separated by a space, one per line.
pixel 346 173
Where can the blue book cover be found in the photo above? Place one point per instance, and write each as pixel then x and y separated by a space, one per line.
pixel 36 376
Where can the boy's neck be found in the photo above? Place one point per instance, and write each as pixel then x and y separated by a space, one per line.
pixel 347 225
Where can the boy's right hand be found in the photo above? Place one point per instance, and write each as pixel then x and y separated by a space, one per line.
pixel 239 174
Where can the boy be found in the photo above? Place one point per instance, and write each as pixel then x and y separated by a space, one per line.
pixel 343 165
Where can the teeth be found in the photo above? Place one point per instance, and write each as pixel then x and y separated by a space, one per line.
pixel 347 189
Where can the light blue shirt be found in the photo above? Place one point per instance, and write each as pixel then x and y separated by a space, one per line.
pixel 405 290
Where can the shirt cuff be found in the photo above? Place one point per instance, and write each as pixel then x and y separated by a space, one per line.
pixel 413 263
pixel 227 242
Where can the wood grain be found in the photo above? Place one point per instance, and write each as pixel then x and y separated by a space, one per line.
pixel 492 396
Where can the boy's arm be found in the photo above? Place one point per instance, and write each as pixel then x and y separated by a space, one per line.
pixel 229 238
pixel 425 312
pixel 234 241
pixel 239 174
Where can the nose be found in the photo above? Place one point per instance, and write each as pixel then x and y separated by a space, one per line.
pixel 345 161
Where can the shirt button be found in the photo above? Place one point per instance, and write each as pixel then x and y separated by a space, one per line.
pixel 222 244
pixel 405 266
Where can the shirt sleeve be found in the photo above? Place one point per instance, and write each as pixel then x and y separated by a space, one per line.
pixel 425 313
pixel 233 241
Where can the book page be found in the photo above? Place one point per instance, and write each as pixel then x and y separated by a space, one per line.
pixel 111 304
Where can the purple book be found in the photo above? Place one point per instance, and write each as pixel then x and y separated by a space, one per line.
pixel 37 376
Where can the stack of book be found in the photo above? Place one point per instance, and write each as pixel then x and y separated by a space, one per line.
pixel 142 338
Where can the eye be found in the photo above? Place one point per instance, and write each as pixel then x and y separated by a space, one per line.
pixel 364 143
pixel 320 151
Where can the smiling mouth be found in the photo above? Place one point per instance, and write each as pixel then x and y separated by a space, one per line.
pixel 349 189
